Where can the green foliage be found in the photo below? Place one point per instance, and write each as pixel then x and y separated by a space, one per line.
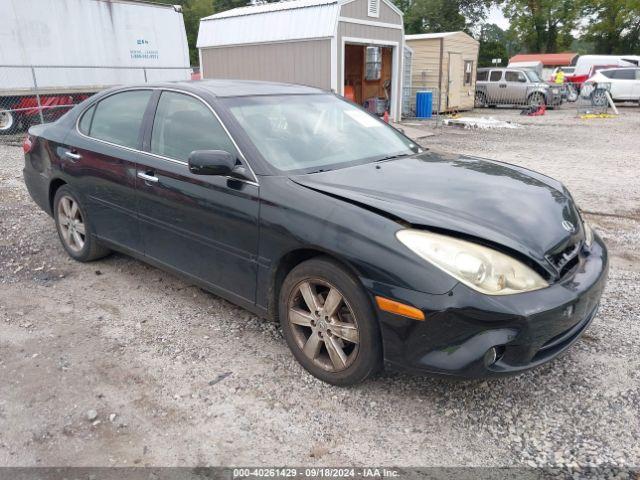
pixel 434 16
pixel 543 26
pixel 613 26
pixel 194 10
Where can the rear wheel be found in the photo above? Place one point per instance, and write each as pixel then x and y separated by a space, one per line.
pixel 8 122
pixel 74 228
pixel 329 324
pixel 480 100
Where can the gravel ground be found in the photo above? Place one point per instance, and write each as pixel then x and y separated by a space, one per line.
pixel 118 363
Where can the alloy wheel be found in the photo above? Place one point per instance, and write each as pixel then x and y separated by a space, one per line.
pixel 71 224
pixel 6 120
pixel 324 326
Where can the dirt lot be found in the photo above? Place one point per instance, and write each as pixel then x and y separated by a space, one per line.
pixel 179 377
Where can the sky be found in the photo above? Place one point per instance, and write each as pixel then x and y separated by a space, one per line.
pixel 495 16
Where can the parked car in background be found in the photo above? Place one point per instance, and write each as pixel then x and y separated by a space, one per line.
pixel 587 65
pixel 514 86
pixel 302 207
pixel 622 83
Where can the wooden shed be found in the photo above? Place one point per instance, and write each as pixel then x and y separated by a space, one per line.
pixel 353 47
pixel 445 63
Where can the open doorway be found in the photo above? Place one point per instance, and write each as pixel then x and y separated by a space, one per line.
pixel 368 76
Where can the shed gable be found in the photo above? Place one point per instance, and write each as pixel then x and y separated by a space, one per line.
pixel 371 10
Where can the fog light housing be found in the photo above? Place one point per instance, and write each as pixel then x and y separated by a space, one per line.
pixel 493 355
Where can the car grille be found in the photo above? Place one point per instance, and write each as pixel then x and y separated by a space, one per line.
pixel 566 259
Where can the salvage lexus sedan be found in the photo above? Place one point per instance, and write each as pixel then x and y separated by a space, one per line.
pixel 302 207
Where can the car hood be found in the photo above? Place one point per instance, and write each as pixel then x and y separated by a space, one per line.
pixel 493 201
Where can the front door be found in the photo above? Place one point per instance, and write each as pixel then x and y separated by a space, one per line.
pixel 104 152
pixel 456 75
pixel 202 225
pixel 516 91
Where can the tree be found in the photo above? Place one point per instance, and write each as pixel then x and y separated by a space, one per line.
pixel 543 26
pixel 613 26
pixel 492 44
pixel 434 16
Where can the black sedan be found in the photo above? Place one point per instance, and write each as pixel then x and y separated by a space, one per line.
pixel 301 207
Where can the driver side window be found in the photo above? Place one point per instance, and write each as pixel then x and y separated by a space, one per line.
pixel 183 124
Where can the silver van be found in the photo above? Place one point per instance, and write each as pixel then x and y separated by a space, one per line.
pixel 514 86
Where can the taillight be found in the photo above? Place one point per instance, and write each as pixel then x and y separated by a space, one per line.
pixel 27 144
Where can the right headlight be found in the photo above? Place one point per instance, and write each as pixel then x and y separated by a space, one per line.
pixel 588 234
pixel 481 268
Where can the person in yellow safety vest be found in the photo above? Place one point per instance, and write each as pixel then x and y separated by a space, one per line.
pixel 560 77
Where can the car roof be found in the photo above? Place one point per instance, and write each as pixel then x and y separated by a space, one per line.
pixel 238 88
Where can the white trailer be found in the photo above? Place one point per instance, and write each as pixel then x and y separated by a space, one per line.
pixel 58 48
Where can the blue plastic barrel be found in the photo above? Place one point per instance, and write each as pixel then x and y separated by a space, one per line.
pixel 424 104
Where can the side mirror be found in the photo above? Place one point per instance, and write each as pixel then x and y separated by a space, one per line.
pixel 211 162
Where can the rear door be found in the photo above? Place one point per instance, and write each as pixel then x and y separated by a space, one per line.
pixel 202 225
pixel 636 86
pixel 102 153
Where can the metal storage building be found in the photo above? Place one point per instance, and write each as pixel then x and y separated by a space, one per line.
pixel 322 43
pixel 445 63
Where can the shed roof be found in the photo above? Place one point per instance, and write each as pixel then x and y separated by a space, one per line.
pixel 429 36
pixel 547 59
pixel 432 36
pixel 271 22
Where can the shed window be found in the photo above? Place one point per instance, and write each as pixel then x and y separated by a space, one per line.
pixel 468 72
pixel 373 8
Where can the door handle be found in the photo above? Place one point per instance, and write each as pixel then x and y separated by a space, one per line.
pixel 72 155
pixel 147 178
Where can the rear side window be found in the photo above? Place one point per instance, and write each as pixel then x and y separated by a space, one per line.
pixel 496 76
pixel 85 121
pixel 183 124
pixel 483 75
pixel 117 119
pixel 626 74
pixel 515 77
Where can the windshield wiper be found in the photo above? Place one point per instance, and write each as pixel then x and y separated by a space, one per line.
pixel 391 157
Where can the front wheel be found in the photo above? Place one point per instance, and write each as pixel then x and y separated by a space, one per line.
pixel 537 99
pixel 74 228
pixel 329 323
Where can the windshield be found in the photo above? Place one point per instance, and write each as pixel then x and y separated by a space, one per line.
pixel 534 77
pixel 309 133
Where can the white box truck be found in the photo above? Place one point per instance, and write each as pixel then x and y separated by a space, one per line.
pixel 57 52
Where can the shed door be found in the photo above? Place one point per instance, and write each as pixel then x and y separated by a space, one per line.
pixel 456 75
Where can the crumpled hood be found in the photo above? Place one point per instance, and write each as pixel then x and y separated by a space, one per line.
pixel 498 202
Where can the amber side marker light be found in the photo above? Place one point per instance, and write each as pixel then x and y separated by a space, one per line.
pixel 398 308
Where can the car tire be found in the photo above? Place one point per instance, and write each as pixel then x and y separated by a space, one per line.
pixel 536 99
pixel 9 122
pixel 338 343
pixel 480 100
pixel 74 227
